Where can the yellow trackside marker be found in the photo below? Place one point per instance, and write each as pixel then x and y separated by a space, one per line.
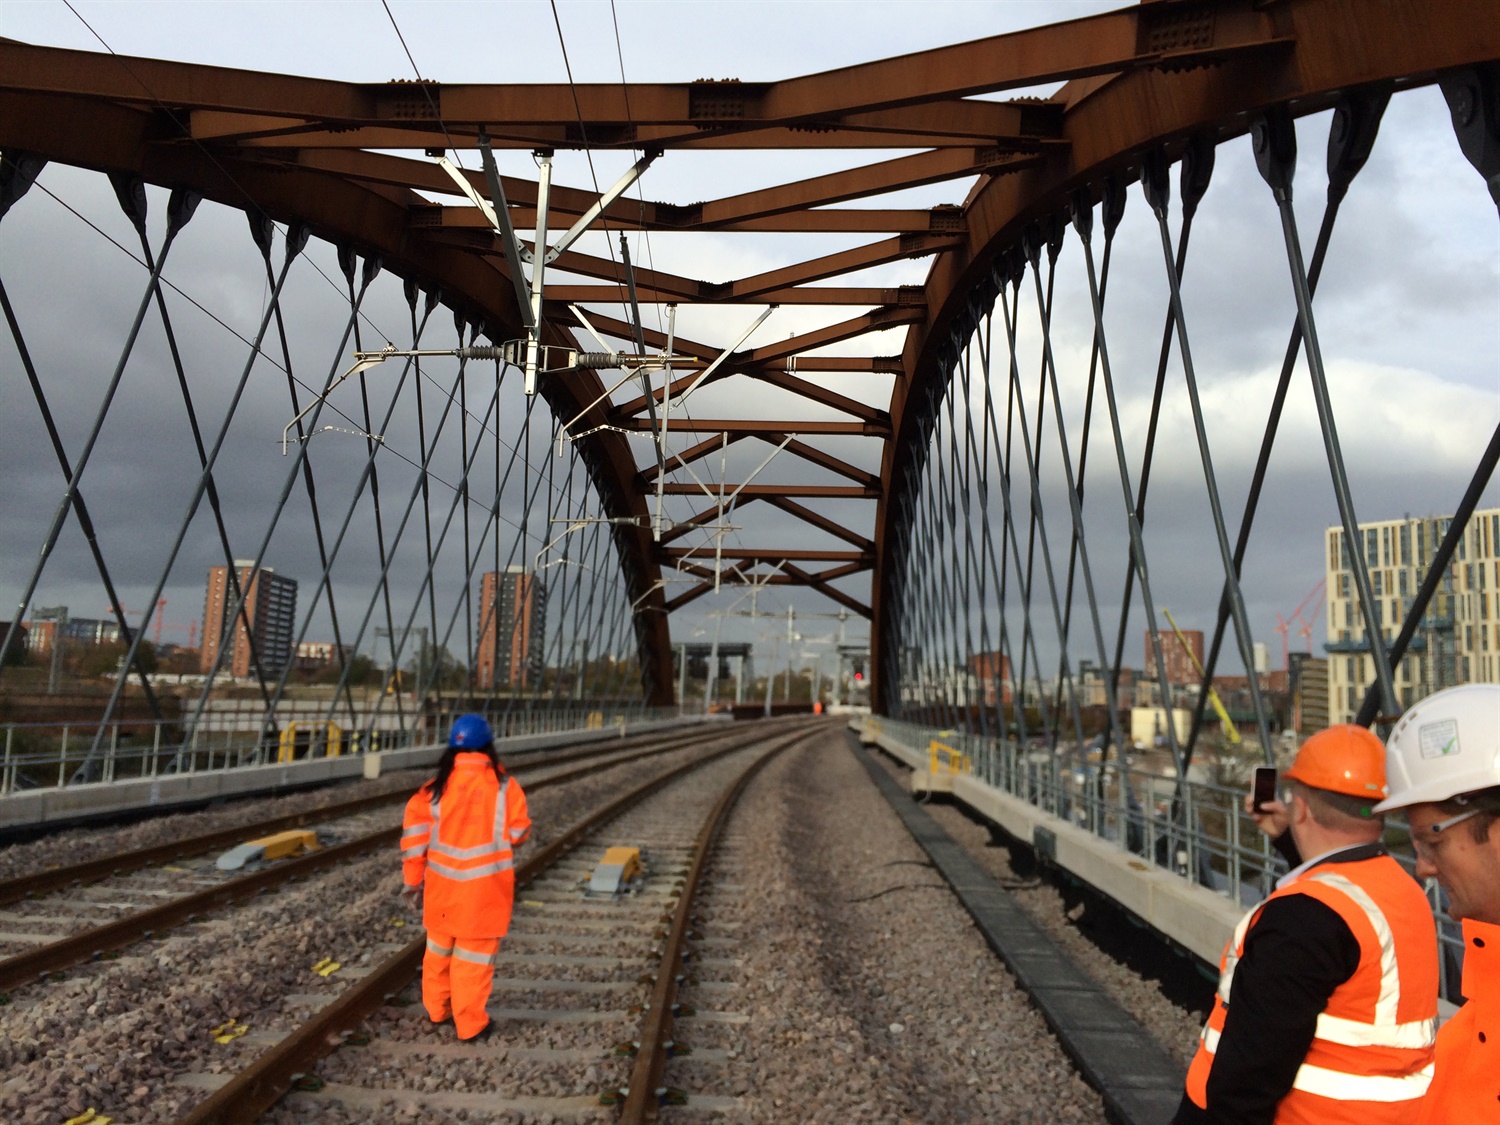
pixel 224 1033
pixel 288 843
pixel 89 1117
pixel 629 859
pixel 326 967
pixel 269 848
pixel 615 871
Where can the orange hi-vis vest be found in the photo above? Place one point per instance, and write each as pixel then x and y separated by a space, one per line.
pixel 462 848
pixel 1370 1060
pixel 1466 1085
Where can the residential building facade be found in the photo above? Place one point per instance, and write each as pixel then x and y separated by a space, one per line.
pixel 512 629
pixel 1458 639
pixel 1178 657
pixel 270 610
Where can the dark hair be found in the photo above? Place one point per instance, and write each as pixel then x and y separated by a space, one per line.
pixel 446 763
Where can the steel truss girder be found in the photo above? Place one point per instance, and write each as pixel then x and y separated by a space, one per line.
pixel 1130 90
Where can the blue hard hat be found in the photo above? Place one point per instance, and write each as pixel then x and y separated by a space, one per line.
pixel 470 732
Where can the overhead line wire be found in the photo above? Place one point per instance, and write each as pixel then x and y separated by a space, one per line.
pixel 363 315
pixel 359 312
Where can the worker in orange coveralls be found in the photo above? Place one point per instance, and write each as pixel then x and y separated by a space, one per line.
pixel 1443 759
pixel 459 836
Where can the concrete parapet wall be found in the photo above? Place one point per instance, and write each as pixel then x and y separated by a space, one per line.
pixel 75 803
pixel 1192 916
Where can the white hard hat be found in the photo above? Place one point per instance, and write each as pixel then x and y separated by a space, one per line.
pixel 1448 744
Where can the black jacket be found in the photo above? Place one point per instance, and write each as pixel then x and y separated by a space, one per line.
pixel 1297 952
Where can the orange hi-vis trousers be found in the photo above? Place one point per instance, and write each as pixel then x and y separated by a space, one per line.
pixel 457 975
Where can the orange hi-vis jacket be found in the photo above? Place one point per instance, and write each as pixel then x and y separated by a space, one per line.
pixel 1370 1060
pixel 1466 1085
pixel 462 847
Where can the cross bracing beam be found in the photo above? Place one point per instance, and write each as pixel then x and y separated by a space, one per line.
pixel 804 491
pixel 757 427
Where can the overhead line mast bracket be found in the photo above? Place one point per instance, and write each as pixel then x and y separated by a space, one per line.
pixel 529 295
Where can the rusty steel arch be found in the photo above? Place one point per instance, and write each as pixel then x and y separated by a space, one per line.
pixel 1141 80
pixel 1110 122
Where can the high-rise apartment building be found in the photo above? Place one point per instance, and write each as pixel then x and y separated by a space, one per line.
pixel 270 610
pixel 1458 640
pixel 512 629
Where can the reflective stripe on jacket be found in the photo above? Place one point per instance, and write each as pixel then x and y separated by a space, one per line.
pixel 461 847
pixel 1466 1082
pixel 1370 1059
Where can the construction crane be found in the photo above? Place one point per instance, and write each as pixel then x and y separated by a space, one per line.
pixel 158 624
pixel 1284 624
pixel 1231 732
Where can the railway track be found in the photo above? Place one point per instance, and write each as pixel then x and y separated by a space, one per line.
pixel 48 919
pixel 798 962
pixel 587 991
pixel 36 882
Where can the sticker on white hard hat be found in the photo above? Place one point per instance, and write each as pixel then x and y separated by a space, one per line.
pixel 1438 740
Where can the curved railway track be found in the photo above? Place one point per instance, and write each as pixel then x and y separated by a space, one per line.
pixel 182 874
pixel 598 972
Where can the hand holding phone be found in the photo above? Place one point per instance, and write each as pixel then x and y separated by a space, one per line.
pixel 1264 806
pixel 1263 792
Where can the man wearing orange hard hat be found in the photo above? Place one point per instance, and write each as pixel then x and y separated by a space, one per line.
pixel 1326 1009
pixel 1444 763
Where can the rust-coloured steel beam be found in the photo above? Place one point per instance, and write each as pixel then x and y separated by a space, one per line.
pixel 1109 43
pixel 876 320
pixel 696 521
pixel 270 132
pixel 746 491
pixel 821 522
pixel 828 591
pixel 1103 44
pixel 621 330
pixel 758 554
pixel 688 456
pixel 666 217
pixel 805 388
pixel 821 459
pixel 858 183
pixel 846 261
pixel 689 596
pixel 831 295
pixel 758 426
pixel 881 364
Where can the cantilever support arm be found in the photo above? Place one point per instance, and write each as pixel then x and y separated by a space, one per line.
pixel 586 220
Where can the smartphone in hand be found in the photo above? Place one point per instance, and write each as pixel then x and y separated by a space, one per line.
pixel 1264 790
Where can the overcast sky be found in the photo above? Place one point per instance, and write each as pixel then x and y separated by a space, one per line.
pixel 1407 311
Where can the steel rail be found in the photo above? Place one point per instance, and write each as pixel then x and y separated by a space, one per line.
pixel 643 1094
pixel 259 1086
pixel 37 882
pixel 96 941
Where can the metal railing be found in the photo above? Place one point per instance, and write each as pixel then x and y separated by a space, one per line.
pixel 56 755
pixel 1197 830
